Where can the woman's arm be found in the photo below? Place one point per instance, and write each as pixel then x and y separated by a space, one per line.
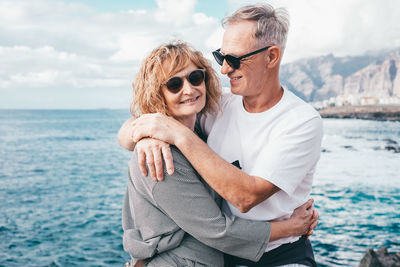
pixel 185 199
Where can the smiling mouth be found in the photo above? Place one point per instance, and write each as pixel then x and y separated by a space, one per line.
pixel 191 100
pixel 235 78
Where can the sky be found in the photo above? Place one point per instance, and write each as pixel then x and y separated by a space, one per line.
pixel 84 54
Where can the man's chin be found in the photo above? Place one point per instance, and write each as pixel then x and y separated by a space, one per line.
pixel 236 90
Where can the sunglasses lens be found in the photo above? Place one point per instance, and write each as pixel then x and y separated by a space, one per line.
pixel 196 77
pixel 174 84
pixel 218 57
pixel 232 61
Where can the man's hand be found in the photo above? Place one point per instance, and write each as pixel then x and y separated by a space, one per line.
pixel 157 126
pixel 151 152
pixel 304 219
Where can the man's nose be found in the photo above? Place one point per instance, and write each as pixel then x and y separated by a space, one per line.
pixel 225 69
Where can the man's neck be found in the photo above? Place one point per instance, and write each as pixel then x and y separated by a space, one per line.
pixel 266 99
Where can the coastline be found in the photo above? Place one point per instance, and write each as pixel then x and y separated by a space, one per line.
pixel 365 112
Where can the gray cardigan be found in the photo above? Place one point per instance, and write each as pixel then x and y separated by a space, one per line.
pixel 181 215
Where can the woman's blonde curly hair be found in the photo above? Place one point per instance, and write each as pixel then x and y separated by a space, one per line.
pixel 162 63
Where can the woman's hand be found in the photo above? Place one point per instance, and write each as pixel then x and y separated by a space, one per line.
pixel 304 219
pixel 302 222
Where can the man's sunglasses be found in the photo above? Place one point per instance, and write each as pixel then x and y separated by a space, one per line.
pixel 195 78
pixel 232 60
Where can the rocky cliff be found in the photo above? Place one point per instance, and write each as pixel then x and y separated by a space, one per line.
pixel 375 74
pixel 380 258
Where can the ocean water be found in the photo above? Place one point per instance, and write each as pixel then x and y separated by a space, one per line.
pixel 63 176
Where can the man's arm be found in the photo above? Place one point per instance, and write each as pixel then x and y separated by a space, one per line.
pixel 124 135
pixel 240 189
pixel 287 160
pixel 212 227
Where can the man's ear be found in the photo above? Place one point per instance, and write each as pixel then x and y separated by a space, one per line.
pixel 273 56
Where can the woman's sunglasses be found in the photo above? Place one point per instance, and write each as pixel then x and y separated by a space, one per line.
pixel 232 60
pixel 195 78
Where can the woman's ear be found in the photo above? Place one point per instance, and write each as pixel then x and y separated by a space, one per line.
pixel 273 56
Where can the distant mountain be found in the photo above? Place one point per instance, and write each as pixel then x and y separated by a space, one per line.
pixel 372 75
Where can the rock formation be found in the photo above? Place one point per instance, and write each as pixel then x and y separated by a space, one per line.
pixel 371 75
pixel 380 258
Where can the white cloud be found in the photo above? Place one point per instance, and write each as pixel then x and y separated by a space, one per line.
pixel 133 47
pixel 41 78
pixel 214 41
pixel 201 19
pixel 57 48
pixel 134 12
pixel 50 49
pixel 176 12
pixel 341 27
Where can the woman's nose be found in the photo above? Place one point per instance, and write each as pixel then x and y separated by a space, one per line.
pixel 188 88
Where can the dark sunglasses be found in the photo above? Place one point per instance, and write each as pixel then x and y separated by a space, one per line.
pixel 232 60
pixel 195 78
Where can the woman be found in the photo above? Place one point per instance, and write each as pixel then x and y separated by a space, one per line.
pixel 178 222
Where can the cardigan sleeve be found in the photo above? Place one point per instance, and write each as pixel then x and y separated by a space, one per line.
pixel 186 200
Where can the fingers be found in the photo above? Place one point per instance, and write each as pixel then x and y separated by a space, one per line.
pixel 158 164
pixel 153 153
pixel 142 162
pixel 146 126
pixel 169 161
pixel 305 208
pixel 139 129
pixel 310 233
pixel 315 214
pixel 150 165
pixel 314 225
pixel 308 204
pixel 311 230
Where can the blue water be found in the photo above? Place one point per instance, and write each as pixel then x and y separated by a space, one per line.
pixel 63 175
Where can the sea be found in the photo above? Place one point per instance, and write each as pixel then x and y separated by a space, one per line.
pixel 63 177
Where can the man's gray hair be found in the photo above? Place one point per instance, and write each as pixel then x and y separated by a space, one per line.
pixel 272 24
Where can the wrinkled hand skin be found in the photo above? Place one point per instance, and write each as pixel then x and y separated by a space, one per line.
pixel 305 218
pixel 164 130
pixel 157 126
pixel 153 153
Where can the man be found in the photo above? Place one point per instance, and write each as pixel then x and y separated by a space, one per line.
pixel 263 146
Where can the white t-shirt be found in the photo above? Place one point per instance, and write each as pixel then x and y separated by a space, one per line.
pixel 281 145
